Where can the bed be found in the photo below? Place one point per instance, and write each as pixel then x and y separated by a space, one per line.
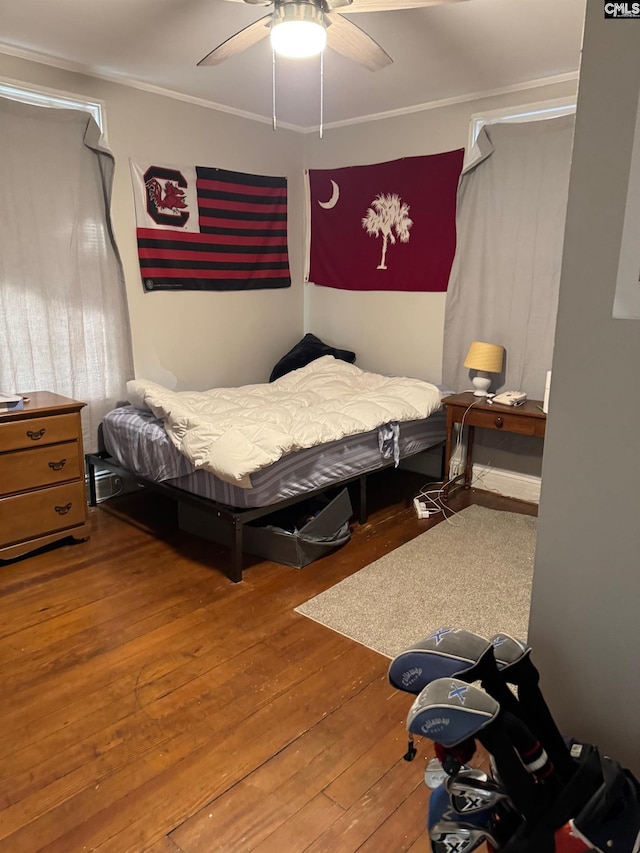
pixel 242 454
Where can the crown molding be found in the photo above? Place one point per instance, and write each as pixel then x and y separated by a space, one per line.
pixel 447 102
pixel 87 71
pixel 78 68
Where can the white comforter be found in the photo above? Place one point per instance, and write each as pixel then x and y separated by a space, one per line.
pixel 233 432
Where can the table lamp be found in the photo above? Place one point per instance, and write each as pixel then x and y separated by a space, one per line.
pixel 485 359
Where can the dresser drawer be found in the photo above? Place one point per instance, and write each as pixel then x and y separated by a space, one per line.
pixel 41 512
pixel 500 419
pixel 42 466
pixel 33 432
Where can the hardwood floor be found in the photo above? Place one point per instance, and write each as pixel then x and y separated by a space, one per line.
pixel 149 705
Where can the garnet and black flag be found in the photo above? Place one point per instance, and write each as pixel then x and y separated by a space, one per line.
pixel 210 229
pixel 387 226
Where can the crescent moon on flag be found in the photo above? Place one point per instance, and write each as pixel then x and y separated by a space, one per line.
pixel 335 195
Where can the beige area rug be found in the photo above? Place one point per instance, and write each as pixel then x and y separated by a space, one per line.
pixel 473 571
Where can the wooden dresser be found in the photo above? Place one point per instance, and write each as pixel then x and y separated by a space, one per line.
pixel 42 487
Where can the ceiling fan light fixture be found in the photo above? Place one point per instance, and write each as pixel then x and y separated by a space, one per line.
pixel 298 30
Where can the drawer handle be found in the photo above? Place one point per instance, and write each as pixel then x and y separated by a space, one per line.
pixel 36 436
pixel 57 466
pixel 63 510
pixel 499 423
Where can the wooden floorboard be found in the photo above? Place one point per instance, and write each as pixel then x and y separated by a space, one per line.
pixel 149 705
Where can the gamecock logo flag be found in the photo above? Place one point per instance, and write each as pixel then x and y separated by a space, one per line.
pixel 388 226
pixel 210 229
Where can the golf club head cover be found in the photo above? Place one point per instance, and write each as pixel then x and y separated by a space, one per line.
pixel 508 651
pixel 445 652
pixel 451 652
pixel 449 711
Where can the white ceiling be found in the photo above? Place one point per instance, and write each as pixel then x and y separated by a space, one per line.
pixel 440 52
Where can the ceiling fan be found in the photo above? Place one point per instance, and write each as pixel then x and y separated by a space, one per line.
pixel 324 21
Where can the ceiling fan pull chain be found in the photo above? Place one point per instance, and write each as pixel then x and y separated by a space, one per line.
pixel 273 86
pixel 321 92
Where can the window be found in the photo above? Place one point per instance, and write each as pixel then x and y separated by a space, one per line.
pixel 529 112
pixel 42 97
pixel 62 290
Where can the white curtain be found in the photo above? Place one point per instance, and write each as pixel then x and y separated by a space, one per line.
pixel 505 278
pixel 62 293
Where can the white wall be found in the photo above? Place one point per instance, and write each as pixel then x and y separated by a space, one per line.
pixel 193 339
pixel 585 625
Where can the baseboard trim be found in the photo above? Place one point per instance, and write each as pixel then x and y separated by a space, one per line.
pixel 524 487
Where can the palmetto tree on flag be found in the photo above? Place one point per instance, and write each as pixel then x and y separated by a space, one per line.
pixel 389 216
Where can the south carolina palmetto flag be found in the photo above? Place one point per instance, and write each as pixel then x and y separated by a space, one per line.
pixel 387 226
pixel 202 228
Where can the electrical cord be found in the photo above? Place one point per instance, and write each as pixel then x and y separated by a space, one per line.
pixel 458 446
pixel 429 502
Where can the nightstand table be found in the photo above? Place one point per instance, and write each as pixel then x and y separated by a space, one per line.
pixel 471 412
pixel 42 490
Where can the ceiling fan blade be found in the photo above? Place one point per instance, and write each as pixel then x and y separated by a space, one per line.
pixel 332 5
pixel 391 5
pixel 349 40
pixel 247 37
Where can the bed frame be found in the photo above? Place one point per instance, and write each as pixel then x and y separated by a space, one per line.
pixel 233 518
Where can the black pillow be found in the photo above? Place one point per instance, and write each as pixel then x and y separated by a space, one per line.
pixel 306 350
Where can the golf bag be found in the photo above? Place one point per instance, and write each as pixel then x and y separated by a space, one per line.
pixel 544 795
pixel 599 810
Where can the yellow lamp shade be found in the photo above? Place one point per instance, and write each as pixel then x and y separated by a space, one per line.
pixel 486 357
